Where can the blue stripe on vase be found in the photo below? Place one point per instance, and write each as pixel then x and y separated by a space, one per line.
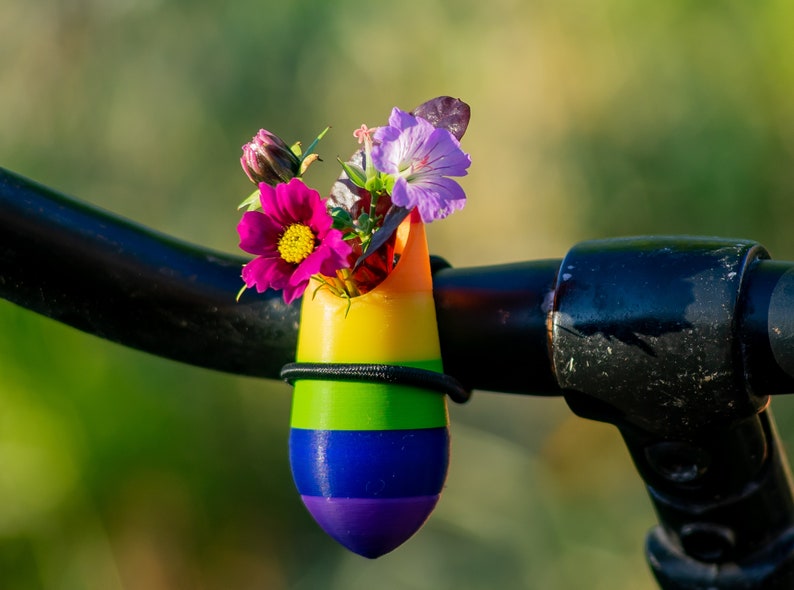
pixel 369 463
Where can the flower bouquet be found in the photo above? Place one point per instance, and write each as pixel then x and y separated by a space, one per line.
pixel 369 439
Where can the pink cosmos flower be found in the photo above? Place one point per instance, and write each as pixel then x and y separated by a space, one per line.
pixel 420 157
pixel 292 238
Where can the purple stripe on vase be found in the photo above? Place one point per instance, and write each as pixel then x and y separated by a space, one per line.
pixel 370 527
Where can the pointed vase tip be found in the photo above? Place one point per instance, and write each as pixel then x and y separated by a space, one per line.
pixel 370 527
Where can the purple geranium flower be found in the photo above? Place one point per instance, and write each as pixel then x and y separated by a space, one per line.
pixel 292 238
pixel 420 157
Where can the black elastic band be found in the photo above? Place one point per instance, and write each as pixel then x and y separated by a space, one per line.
pixel 372 373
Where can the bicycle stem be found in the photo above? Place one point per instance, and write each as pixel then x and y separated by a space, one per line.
pixel 677 341
pixel 666 338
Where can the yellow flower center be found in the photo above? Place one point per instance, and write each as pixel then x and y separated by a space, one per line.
pixel 296 243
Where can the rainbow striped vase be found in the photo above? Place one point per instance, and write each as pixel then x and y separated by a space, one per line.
pixel 370 459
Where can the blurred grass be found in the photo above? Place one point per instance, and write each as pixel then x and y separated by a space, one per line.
pixel 122 471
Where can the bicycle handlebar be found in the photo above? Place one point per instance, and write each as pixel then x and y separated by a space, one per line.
pixel 678 341
pixel 118 280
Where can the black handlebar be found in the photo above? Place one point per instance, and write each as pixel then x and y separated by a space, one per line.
pixel 678 341
pixel 118 280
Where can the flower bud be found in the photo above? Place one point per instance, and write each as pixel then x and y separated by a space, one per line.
pixel 266 158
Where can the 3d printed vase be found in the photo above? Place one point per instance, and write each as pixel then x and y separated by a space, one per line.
pixel 370 458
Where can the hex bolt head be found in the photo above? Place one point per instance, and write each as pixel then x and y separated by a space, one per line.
pixel 678 462
pixel 707 541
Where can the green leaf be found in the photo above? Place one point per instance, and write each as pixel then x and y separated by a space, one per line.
pixel 355 173
pixel 364 223
pixel 341 218
pixel 317 139
pixel 252 202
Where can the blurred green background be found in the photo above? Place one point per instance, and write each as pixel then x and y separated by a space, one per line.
pixel 590 119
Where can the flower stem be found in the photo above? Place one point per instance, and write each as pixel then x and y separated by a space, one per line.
pixel 349 285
